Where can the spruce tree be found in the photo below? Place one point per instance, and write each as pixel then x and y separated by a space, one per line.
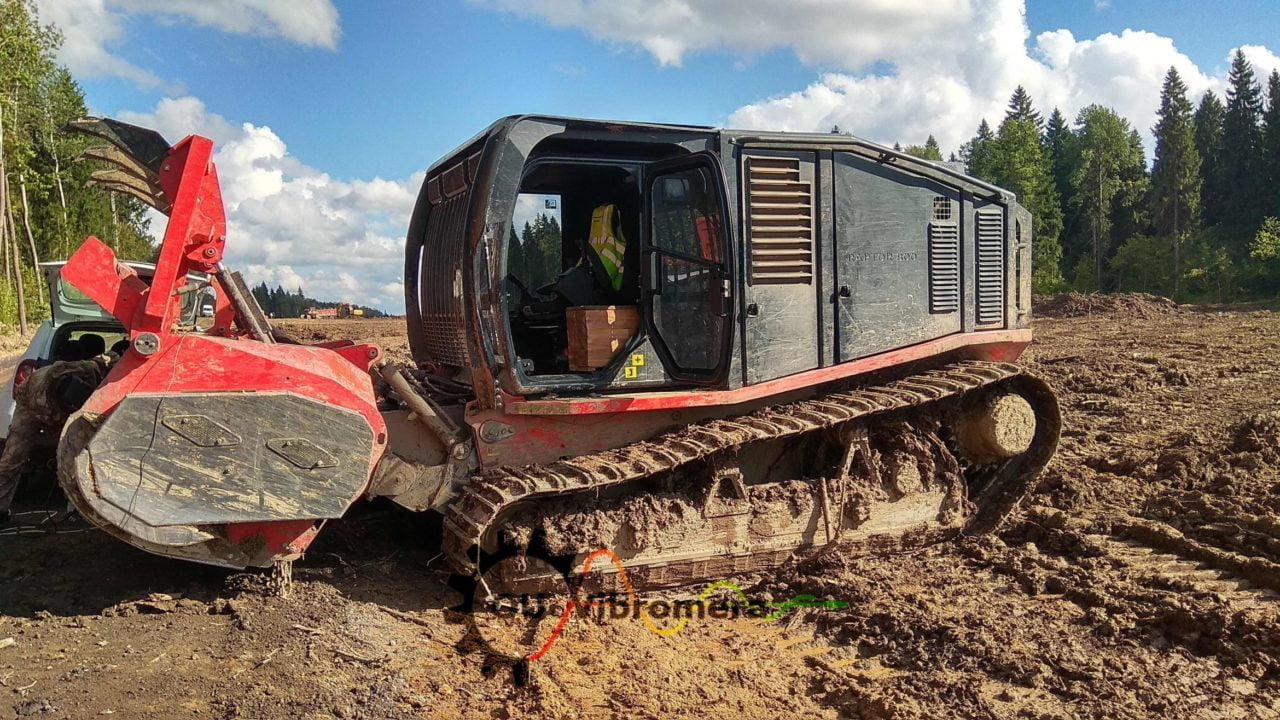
pixel 1271 148
pixel 1208 135
pixel 932 150
pixel 1241 144
pixel 1020 107
pixel 976 153
pixel 1060 144
pixel 1175 174
pixel 1019 162
pixel 928 151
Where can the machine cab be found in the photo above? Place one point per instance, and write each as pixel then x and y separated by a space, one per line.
pixel 602 262
pixel 566 257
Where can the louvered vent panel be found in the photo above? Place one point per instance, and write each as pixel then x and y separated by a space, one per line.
pixel 990 290
pixel 444 319
pixel 780 222
pixel 944 267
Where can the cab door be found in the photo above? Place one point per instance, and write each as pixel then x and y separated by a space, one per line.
pixel 688 293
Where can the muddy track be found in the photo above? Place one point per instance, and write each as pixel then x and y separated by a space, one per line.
pixel 477 509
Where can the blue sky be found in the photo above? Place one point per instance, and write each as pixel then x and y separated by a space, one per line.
pixel 327 110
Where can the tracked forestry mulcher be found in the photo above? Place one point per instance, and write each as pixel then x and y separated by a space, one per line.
pixel 705 350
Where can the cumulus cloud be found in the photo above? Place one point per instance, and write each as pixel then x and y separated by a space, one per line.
pixel 92 29
pixel 850 34
pixel 311 23
pixel 291 225
pixel 88 29
pixel 898 70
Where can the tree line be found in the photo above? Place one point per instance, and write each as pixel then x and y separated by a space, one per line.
pixel 535 256
pixel 1199 225
pixel 281 303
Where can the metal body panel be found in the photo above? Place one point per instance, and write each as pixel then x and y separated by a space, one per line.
pixel 545 430
pixel 148 462
pixel 781 327
pixel 882 257
pixel 1001 346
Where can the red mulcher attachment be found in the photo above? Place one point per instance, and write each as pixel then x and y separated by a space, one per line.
pixel 224 446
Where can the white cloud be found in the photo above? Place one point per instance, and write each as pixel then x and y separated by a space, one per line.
pixel 292 225
pixel 88 28
pixel 898 70
pixel 93 29
pixel 849 33
pixel 1263 60
pixel 312 23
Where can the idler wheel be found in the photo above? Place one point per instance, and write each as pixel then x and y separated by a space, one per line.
pixel 999 426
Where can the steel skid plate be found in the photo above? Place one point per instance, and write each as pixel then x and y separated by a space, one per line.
pixel 229 457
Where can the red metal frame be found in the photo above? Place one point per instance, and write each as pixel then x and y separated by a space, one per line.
pixel 1002 345
pixel 222 359
pixel 544 430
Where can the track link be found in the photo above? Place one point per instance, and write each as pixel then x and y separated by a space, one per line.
pixel 488 494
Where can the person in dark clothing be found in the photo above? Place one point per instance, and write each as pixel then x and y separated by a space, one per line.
pixel 44 402
pixel 91 346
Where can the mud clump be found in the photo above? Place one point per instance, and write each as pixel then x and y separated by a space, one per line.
pixel 1257 433
pixel 1132 305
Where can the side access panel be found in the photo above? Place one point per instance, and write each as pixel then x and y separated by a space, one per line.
pixel 780 206
pixel 899 258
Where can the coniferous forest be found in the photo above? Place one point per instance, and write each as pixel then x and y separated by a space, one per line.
pixel 1197 223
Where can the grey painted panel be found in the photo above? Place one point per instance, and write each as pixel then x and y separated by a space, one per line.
pixel 882 257
pixel 827 297
pixel 990 261
pixel 988 288
pixel 781 324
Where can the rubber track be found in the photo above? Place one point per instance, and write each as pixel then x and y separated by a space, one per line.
pixel 488 494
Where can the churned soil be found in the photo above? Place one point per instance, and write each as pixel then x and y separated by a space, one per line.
pixel 1139 580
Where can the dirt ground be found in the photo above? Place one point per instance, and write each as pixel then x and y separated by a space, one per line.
pixel 1139 581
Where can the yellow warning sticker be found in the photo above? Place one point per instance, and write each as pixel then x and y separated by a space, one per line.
pixel 637 360
pixel 630 372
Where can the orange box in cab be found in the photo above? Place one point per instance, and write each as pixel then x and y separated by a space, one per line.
pixel 597 333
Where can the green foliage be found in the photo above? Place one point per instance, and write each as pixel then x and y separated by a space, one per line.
pixel 1265 250
pixel 1241 169
pixel 1141 265
pixel 1046 267
pixel 928 151
pixel 1208 134
pixel 1107 185
pixel 1266 244
pixel 1175 177
pixel 42 188
pixel 976 154
pixel 1213 274
pixel 1020 107
pixel 1271 148
pixel 1016 159
pixel 543 252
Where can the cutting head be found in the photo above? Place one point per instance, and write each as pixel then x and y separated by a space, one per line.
pixel 135 157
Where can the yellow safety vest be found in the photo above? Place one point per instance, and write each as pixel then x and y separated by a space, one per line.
pixel 608 243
